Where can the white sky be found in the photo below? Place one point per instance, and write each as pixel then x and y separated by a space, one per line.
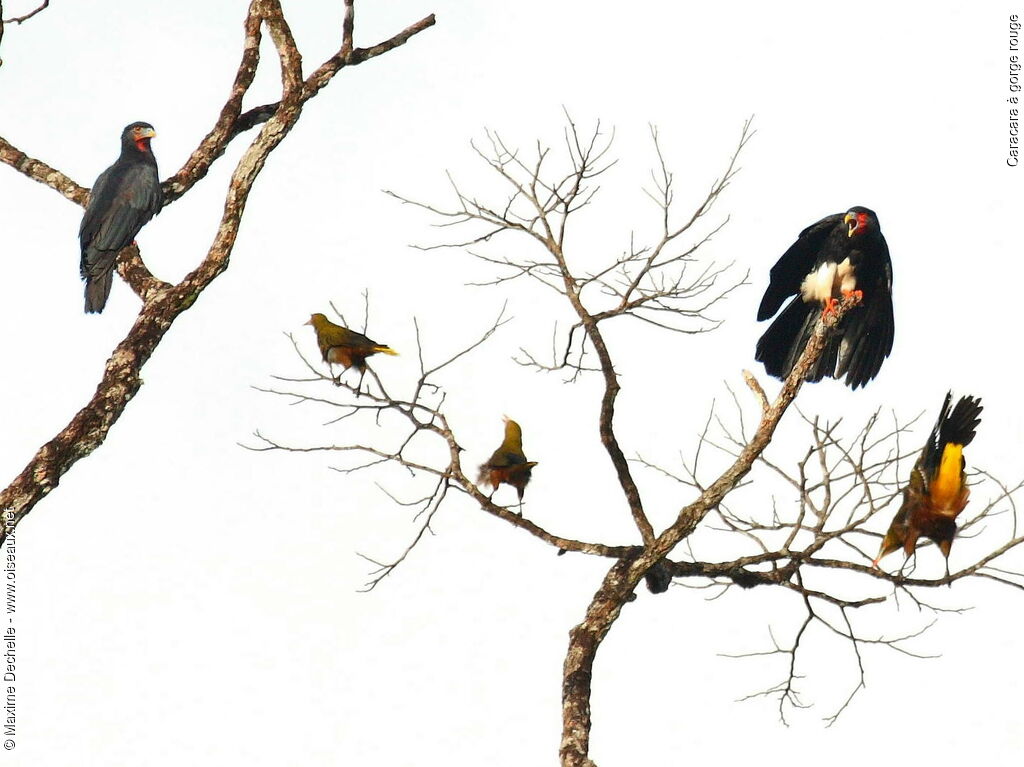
pixel 182 600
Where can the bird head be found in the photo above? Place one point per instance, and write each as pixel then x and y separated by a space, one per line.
pixel 942 530
pixel 317 320
pixel 894 539
pixel 945 546
pixel 859 220
pixel 138 134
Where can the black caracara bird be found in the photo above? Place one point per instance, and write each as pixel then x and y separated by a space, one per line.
pixel 938 491
pixel 839 255
pixel 508 464
pixel 341 346
pixel 123 199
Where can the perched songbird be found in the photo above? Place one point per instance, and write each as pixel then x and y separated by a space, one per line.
pixel 938 491
pixel 508 464
pixel 123 199
pixel 841 254
pixel 341 346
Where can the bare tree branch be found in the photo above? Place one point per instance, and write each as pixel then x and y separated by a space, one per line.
pixel 841 486
pixel 163 303
pixel 27 16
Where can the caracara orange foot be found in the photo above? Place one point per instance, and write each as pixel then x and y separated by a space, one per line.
pixel 831 304
pixel 858 293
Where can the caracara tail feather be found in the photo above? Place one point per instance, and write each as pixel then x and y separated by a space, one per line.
pixel 97 290
pixel 784 339
pixel 958 427
pixel 98 272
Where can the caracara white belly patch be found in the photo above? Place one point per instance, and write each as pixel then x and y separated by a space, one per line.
pixel 827 280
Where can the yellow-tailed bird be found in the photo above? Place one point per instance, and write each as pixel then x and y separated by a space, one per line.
pixel 938 491
pixel 508 464
pixel 341 346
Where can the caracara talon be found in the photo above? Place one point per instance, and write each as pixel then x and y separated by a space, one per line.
pixel 831 304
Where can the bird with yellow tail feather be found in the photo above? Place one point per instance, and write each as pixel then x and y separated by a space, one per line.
pixel 938 490
pixel 508 464
pixel 341 346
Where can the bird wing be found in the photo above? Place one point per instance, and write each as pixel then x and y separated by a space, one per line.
pixel 359 340
pixel 501 459
pixel 122 200
pixel 795 264
pixel 868 332
pixel 331 334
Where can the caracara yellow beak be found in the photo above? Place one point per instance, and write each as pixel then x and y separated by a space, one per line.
pixel 851 222
pixel 147 133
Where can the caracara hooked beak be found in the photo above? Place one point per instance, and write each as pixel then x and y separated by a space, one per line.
pixel 856 223
pixel 141 134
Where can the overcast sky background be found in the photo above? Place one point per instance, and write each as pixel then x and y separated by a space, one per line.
pixel 182 600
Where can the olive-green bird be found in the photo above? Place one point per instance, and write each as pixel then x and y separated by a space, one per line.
pixel 938 490
pixel 508 464
pixel 341 346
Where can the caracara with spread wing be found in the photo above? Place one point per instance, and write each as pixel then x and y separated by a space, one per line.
pixel 840 255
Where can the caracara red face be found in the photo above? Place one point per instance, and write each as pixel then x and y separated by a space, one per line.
pixel 141 133
pixel 856 222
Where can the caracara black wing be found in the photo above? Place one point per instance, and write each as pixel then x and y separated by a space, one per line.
pixel 795 264
pixel 868 332
pixel 123 199
pixel 837 255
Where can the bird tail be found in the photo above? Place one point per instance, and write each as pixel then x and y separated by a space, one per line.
pixel 784 341
pixel 945 462
pixel 97 289
pixel 385 350
pixel 98 271
pixel 958 427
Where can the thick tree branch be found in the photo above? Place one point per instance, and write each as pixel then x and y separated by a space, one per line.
pixel 27 16
pixel 163 303
pixel 620 582
pixel 18 19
